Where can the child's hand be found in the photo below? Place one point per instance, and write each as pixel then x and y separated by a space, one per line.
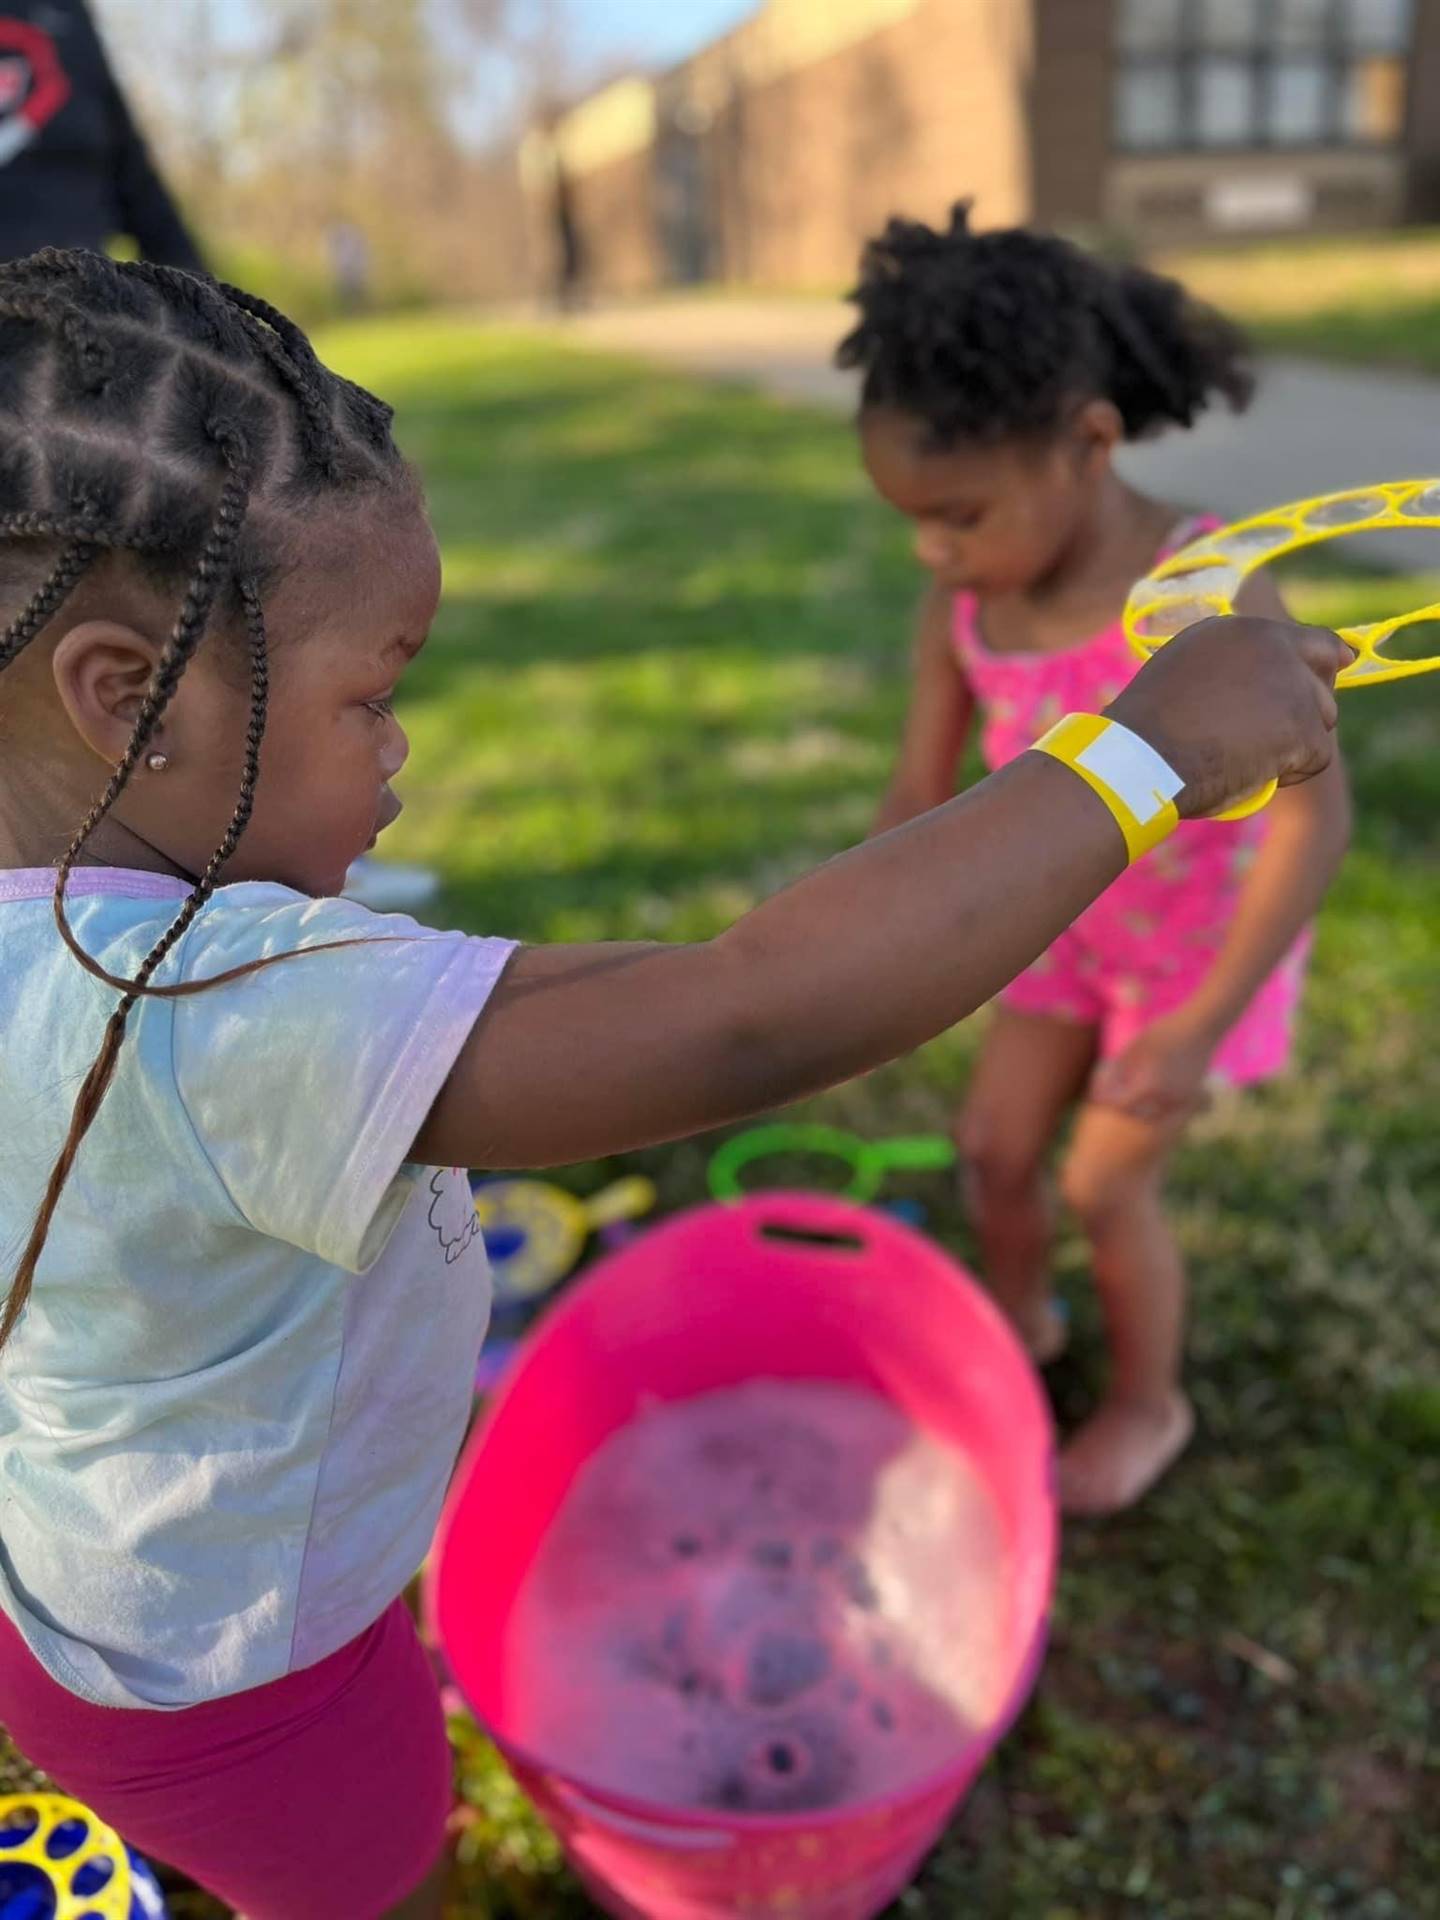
pixel 1236 702
pixel 1161 1075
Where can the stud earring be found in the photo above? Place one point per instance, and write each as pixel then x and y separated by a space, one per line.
pixel 158 762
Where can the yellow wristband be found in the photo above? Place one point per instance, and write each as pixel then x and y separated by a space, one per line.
pixel 1136 785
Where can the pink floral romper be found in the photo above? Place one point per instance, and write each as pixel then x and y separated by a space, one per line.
pixel 1147 944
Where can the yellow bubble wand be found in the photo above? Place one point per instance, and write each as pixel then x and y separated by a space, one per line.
pixel 1204 579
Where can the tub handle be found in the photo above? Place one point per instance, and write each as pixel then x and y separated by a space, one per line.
pixel 653 1833
pixel 811 1221
pixel 822 1239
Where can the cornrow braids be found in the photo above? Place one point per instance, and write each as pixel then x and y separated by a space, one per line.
pixel 987 336
pixel 159 416
pixel 301 374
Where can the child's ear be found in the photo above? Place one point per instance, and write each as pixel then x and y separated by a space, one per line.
pixel 102 670
pixel 1099 430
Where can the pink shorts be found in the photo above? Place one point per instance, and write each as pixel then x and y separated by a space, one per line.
pixel 1079 981
pixel 323 1796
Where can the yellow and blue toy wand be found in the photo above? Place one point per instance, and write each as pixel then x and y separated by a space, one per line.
pixel 81 1861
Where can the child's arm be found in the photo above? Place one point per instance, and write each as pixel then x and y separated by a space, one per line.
pixel 588 1051
pixel 1164 1072
pixel 936 724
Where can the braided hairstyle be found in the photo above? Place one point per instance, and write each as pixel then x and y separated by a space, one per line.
pixel 992 336
pixel 165 421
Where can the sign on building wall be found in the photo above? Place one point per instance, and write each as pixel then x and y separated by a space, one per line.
pixel 1257 202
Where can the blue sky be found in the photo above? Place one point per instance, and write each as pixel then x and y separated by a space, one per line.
pixel 655 30
pixel 652 31
pixel 603 35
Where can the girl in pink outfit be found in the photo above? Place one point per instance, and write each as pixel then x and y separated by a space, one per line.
pixel 1001 371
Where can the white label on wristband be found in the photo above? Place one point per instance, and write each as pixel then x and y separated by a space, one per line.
pixel 1133 769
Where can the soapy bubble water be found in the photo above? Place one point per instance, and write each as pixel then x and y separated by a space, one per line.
pixel 778 1597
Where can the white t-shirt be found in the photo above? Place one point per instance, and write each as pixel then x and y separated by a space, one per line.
pixel 229 1412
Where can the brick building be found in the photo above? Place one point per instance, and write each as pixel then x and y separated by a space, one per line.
pixel 769 155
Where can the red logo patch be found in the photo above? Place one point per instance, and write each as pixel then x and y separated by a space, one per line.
pixel 33 85
pixel 14 82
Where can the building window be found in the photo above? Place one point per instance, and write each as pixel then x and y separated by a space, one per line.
pixel 1151 26
pixel 1224 101
pixel 1147 107
pixel 1299 113
pixel 1215 74
pixel 1228 23
pixel 1304 23
pixel 1378 26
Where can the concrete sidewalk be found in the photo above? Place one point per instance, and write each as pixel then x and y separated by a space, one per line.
pixel 1311 429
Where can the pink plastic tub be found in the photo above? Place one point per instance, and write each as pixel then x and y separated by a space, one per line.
pixel 711 1299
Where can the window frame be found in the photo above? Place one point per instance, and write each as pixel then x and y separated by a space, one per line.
pixel 1341 50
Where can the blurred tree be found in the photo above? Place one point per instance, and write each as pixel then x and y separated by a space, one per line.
pixel 393 119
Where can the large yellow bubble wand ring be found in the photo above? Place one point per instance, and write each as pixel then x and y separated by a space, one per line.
pixel 1204 579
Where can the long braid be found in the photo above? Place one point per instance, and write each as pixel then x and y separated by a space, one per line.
pixel 107 336
pixel 259 714
pixel 260 701
pixel 189 631
pixel 75 561
pixel 87 1104
pixel 40 524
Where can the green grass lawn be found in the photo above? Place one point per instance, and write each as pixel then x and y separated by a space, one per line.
pixel 1372 298
pixel 668 675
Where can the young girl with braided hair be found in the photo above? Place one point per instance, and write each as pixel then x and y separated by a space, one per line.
pixel 245 1288
pixel 1001 371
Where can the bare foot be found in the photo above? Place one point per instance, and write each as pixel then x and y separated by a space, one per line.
pixel 1044 1329
pixel 1121 1451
